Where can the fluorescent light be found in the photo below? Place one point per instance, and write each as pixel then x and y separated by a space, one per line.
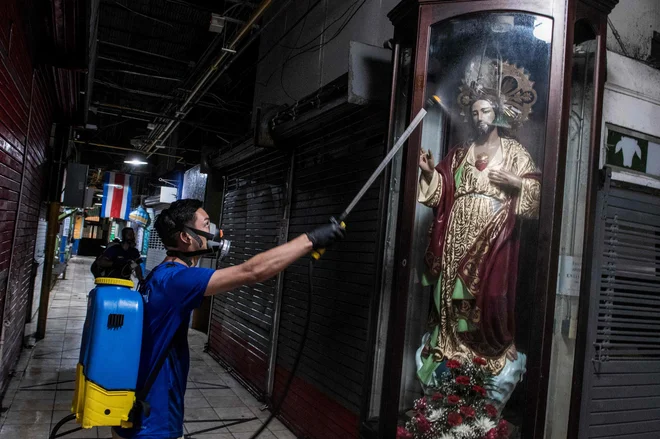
pixel 135 162
pixel 98 204
pixel 136 159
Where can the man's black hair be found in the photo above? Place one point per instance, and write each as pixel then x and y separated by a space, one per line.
pixel 125 231
pixel 171 220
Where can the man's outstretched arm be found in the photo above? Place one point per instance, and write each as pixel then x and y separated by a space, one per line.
pixel 267 264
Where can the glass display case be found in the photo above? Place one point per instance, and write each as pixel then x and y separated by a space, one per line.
pixel 480 209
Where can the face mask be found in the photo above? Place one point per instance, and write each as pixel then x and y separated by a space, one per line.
pixel 215 244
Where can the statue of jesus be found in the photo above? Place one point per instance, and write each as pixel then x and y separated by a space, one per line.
pixel 478 192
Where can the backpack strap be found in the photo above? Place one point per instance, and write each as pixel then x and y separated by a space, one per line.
pixel 141 406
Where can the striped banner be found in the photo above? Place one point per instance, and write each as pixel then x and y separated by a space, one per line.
pixel 116 196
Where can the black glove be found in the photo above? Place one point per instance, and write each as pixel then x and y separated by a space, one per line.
pixel 325 236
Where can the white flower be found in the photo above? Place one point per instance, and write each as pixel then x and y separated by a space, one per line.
pixel 447 436
pixel 435 415
pixel 463 431
pixel 484 424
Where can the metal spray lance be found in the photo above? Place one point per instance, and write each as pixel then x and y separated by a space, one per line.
pixel 432 101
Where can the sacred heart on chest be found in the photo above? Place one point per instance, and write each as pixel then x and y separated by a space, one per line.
pixel 481 162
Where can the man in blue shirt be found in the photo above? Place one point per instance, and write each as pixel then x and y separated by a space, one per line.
pixel 175 287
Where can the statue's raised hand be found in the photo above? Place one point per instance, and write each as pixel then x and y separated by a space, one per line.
pixel 426 163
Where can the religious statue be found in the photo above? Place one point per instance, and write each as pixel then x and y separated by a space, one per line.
pixel 479 192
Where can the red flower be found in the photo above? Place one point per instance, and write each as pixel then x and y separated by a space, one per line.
pixel 402 433
pixel 462 379
pixel 423 424
pixel 454 419
pixel 479 361
pixel 453 399
pixel 468 412
pixel 453 364
pixel 491 411
pixel 503 428
pixel 480 390
pixel 420 405
pixel 437 396
pixel 492 434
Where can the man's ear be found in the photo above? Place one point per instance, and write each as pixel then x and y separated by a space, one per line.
pixel 185 238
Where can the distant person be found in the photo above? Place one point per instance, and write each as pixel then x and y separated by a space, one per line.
pixel 119 260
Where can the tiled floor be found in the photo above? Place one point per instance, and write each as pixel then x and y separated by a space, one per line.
pixel 41 391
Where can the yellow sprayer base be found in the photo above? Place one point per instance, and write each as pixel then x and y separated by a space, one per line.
pixel 97 407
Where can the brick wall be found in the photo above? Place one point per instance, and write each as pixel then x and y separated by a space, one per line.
pixel 25 123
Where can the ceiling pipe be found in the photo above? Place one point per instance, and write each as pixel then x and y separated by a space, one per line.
pixel 106 58
pixel 144 52
pixel 157 95
pixel 201 126
pixel 131 72
pixel 123 148
pixel 212 71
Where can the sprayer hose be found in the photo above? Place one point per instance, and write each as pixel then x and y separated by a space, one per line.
pixel 53 433
pixel 278 406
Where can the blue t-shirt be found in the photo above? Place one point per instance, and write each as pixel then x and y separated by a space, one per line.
pixel 170 293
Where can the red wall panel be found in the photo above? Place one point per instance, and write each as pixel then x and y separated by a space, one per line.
pixel 25 121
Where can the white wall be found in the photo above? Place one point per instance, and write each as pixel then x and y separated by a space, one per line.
pixel 635 21
pixel 632 97
pixel 631 100
pixel 328 57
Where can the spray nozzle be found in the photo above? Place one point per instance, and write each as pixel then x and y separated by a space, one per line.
pixel 433 101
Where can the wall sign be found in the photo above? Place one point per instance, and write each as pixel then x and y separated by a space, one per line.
pixel 632 150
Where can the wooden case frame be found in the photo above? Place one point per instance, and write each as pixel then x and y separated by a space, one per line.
pixel 413 20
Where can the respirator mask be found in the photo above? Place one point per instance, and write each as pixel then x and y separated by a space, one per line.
pixel 216 245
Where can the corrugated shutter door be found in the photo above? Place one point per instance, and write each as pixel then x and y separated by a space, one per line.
pixel 157 251
pixel 241 320
pixel 331 165
pixel 621 394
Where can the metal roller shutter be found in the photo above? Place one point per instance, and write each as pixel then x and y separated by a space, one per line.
pixel 621 387
pixel 241 320
pixel 332 162
pixel 157 251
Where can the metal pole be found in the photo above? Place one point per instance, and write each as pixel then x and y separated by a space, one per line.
pixel 275 327
pixel 51 235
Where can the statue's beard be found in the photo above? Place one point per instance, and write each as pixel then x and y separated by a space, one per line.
pixel 483 129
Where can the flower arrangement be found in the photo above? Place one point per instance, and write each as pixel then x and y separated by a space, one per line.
pixel 458 408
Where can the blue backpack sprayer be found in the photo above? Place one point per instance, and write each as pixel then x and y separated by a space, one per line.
pixel 106 393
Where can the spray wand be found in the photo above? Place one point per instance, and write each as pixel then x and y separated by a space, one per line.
pixel 433 100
